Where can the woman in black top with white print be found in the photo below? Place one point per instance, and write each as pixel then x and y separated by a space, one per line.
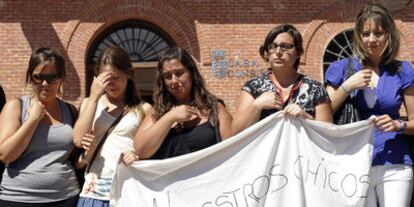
pixel 282 88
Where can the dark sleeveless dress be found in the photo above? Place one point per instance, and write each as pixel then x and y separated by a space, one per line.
pixel 186 140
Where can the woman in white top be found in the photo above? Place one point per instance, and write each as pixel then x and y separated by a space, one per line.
pixel 113 97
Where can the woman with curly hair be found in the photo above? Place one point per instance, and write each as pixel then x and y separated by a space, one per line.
pixel 186 116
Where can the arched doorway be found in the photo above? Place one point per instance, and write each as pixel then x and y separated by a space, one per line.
pixel 143 41
pixel 339 47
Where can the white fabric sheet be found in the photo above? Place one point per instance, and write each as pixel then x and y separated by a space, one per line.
pixel 280 161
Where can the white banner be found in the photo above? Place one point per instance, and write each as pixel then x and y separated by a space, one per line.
pixel 280 161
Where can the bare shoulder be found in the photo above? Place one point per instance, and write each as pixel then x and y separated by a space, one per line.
pixel 13 105
pixel 223 112
pixel 147 108
pixel 221 106
pixel 11 110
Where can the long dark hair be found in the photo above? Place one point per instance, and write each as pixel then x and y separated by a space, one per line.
pixel 200 96
pixel 42 57
pixel 118 58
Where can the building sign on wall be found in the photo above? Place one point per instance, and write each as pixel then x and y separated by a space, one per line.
pixel 223 66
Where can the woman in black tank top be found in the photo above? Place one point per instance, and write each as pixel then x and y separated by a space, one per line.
pixel 186 116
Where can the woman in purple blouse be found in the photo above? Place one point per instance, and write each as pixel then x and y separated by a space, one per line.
pixel 381 84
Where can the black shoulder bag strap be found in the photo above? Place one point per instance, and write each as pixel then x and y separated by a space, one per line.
pixel 73 113
pixel 76 152
pixel 217 131
pixel 349 72
pixel 352 110
pixel 102 141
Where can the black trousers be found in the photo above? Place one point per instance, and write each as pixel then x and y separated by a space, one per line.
pixel 71 202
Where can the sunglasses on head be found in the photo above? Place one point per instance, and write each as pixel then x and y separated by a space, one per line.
pixel 49 78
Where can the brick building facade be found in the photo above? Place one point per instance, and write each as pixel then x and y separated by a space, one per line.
pixel 231 30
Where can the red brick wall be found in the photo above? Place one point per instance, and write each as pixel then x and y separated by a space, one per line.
pixel 237 27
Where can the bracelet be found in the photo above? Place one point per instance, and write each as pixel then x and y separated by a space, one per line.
pixel 345 89
pixel 403 125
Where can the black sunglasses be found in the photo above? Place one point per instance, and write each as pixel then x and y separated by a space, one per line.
pixel 49 78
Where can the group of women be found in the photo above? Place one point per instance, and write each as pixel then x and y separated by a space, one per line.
pixel 41 134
